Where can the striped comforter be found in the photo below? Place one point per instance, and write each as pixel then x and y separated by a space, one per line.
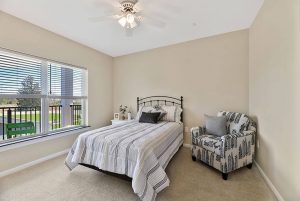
pixel 139 150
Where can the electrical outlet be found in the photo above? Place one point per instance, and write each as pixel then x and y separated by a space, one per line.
pixel 186 129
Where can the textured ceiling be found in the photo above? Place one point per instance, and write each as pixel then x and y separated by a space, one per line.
pixel 184 20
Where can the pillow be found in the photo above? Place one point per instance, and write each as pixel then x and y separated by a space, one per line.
pixel 215 125
pixel 148 117
pixel 143 109
pixel 173 113
pixel 157 108
pixel 236 122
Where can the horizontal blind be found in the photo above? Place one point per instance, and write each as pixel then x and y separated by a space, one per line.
pixel 66 82
pixel 20 76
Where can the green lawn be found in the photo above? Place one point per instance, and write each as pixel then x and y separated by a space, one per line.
pixel 56 117
pixel 36 118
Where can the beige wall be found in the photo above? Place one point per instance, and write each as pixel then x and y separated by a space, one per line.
pixel 211 74
pixel 22 36
pixel 275 92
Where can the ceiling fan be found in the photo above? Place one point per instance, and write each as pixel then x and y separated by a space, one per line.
pixel 129 19
pixel 129 16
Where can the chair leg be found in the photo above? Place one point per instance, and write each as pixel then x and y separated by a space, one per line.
pixel 194 158
pixel 249 166
pixel 225 176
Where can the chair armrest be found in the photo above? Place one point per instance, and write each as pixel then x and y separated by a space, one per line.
pixel 196 132
pixel 237 135
pixel 232 142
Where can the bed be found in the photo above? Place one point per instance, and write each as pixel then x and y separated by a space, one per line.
pixel 139 151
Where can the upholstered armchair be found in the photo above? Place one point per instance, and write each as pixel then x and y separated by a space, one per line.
pixel 229 152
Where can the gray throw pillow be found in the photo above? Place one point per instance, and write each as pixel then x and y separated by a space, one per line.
pixel 215 125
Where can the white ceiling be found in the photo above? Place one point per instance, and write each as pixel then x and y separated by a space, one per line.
pixel 185 20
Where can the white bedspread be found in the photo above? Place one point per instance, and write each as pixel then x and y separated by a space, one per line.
pixel 139 150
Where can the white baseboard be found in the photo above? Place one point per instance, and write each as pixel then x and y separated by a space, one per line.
pixel 32 163
pixel 187 145
pixel 269 183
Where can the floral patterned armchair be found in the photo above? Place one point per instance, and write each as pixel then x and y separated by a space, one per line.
pixel 228 152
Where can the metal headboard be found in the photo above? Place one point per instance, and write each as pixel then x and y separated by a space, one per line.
pixel 160 100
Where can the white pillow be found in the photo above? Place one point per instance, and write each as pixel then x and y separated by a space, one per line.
pixel 158 108
pixel 173 113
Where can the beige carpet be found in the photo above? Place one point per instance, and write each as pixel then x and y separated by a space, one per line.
pixel 190 181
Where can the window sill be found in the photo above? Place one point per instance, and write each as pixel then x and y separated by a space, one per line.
pixel 28 140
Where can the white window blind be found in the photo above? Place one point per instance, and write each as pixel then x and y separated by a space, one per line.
pixel 66 82
pixel 19 76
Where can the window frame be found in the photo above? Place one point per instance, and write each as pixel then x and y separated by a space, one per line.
pixel 45 99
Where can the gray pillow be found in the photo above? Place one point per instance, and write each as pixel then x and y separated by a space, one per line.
pixel 215 125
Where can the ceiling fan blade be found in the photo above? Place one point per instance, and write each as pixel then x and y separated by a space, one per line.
pixel 105 3
pixel 143 2
pixel 104 18
pixel 166 6
pixel 153 22
pixel 137 8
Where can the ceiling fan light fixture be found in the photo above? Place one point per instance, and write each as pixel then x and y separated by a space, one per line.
pixel 133 24
pixel 130 18
pixel 128 21
pixel 123 21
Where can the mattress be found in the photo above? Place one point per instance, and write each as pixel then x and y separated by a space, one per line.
pixel 139 150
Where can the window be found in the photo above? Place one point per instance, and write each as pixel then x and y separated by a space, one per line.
pixel 66 90
pixel 46 95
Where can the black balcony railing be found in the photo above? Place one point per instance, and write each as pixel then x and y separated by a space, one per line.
pixel 55 116
pixel 33 114
pixel 76 114
pixel 19 115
